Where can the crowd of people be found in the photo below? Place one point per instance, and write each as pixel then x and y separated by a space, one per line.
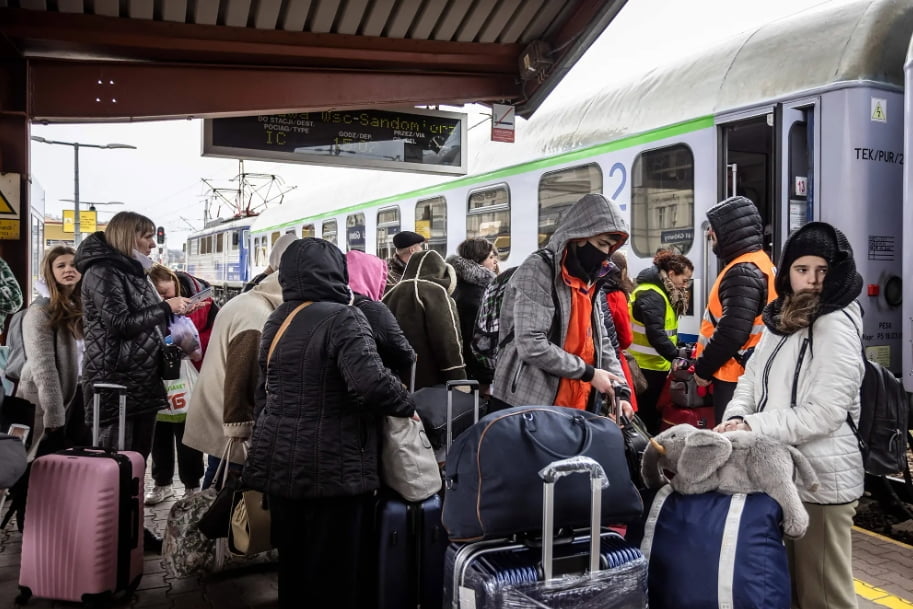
pixel 304 364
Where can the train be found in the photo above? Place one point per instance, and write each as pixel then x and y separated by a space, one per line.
pixel 803 115
pixel 222 255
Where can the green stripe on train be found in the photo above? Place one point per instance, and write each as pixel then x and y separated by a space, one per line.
pixel 565 157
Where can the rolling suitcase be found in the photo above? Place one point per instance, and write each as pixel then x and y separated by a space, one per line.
pixel 84 537
pixel 412 540
pixel 590 570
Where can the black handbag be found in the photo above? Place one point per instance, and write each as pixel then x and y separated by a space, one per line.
pixel 636 438
pixel 492 483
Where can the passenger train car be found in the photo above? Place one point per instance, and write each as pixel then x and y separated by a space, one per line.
pixel 221 255
pixel 803 115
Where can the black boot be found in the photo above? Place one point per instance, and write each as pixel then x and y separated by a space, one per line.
pixel 151 542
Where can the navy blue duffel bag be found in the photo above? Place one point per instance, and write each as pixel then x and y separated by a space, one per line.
pixel 492 486
pixel 715 550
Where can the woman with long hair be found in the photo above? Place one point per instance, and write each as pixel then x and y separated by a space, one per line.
pixel 124 322
pixel 660 298
pixel 52 334
pixel 476 264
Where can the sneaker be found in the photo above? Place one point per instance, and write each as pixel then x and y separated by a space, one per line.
pixel 190 491
pixel 158 494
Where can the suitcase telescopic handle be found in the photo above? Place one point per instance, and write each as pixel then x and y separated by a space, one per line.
pixel 550 475
pixel 121 390
pixel 451 385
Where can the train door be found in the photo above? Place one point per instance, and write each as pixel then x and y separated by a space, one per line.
pixel 797 138
pixel 747 168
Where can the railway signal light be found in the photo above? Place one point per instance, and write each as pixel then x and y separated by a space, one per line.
pixel 160 235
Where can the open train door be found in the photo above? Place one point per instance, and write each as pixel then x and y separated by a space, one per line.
pixel 907 245
pixel 797 136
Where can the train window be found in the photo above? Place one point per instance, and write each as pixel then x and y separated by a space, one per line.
pixel 388 224
pixel 220 239
pixel 207 245
pixel 558 190
pixel 329 231
pixel 662 200
pixel 431 223
pixel 194 246
pixel 308 230
pixel 273 237
pixel 355 232
pixel 235 239
pixel 489 217
pixel 261 255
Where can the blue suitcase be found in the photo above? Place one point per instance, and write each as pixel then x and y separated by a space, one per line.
pixel 714 550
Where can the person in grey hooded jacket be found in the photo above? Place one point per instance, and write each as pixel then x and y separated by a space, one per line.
pixel 555 349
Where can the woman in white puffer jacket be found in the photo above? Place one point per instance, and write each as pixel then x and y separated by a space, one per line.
pixel 799 386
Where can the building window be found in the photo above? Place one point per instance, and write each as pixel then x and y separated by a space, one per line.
pixel 558 190
pixel 431 223
pixel 329 231
pixel 662 201
pixel 488 216
pixel 355 232
pixel 388 224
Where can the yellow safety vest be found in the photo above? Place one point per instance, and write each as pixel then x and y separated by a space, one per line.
pixel 643 353
pixel 733 369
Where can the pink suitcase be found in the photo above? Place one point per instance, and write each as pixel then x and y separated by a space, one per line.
pixel 83 538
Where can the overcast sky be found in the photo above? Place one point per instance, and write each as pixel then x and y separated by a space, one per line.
pixel 163 177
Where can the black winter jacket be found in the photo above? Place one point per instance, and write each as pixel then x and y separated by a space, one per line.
pixel 743 290
pixel 392 346
pixel 649 309
pixel 317 424
pixel 120 313
pixel 472 279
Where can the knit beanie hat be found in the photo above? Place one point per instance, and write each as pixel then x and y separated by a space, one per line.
pixel 842 284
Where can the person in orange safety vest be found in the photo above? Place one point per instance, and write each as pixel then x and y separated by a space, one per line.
pixel 732 325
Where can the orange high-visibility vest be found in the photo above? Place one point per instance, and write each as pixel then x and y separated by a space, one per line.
pixel 733 369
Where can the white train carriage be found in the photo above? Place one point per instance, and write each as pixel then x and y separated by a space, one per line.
pixel 802 115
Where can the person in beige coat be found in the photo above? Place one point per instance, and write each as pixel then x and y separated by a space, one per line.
pixel 222 404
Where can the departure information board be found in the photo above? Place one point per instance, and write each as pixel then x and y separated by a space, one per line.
pixel 418 140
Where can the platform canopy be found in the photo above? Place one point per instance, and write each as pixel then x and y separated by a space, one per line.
pixel 111 60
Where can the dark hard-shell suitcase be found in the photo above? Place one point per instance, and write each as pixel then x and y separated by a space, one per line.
pixel 83 539
pixel 590 570
pixel 439 404
pixel 411 538
pixel 740 535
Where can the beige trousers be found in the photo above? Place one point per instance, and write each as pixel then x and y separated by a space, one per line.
pixel 821 563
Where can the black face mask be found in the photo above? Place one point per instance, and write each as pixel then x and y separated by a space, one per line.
pixel 590 257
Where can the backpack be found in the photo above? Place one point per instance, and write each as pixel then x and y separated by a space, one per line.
pixel 485 344
pixel 883 419
pixel 16 357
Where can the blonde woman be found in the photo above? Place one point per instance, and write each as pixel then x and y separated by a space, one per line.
pixel 52 335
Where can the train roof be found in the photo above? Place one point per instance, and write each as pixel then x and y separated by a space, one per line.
pixel 835 42
pixel 831 43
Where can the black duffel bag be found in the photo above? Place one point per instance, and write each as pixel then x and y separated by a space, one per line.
pixel 431 405
pixel 491 478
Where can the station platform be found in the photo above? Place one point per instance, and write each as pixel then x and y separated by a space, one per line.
pixel 883 571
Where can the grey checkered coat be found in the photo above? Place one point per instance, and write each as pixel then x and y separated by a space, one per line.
pixel 529 368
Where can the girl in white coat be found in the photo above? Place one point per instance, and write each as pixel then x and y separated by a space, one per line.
pixel 800 385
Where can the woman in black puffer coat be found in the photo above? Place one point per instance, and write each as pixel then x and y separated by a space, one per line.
pixel 476 265
pixel 122 318
pixel 315 445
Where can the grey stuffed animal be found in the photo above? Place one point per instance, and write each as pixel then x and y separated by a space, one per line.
pixel 732 462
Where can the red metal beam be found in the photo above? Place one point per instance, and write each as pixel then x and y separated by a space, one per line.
pixel 61 90
pixel 41 33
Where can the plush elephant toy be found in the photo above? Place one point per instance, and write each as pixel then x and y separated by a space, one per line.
pixel 733 462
